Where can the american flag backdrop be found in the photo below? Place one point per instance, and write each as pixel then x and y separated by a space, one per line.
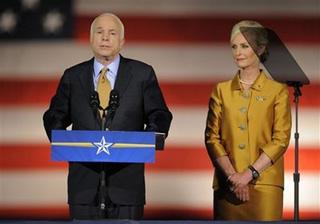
pixel 186 41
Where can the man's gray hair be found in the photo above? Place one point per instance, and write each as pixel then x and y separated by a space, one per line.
pixel 109 15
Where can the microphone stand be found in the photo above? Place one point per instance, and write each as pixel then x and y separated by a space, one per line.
pixel 106 120
pixel 296 175
pixel 103 172
pixel 95 105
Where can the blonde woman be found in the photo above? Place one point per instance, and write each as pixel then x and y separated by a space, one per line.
pixel 247 132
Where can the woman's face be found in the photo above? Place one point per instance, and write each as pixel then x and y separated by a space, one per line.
pixel 243 55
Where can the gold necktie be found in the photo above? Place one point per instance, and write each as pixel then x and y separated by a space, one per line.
pixel 103 89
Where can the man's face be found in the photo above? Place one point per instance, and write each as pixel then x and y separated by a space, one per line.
pixel 105 39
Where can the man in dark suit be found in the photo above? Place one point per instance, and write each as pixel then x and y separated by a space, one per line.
pixel 141 108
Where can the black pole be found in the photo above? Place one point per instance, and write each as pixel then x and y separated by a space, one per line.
pixel 296 175
pixel 95 105
pixel 106 120
pixel 103 173
pixel 105 124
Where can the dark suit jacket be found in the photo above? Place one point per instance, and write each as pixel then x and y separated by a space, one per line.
pixel 142 107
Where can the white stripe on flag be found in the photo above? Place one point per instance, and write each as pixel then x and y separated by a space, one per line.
pixel 169 189
pixel 201 62
pixel 199 7
pixel 20 125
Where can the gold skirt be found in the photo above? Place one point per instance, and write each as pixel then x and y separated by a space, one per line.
pixel 265 204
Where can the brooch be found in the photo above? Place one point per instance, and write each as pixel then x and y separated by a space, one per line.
pixel 261 98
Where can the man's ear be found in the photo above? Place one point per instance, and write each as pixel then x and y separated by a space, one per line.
pixel 122 42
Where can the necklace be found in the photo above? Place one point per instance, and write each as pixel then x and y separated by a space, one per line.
pixel 246 82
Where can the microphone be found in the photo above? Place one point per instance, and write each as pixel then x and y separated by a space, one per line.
pixel 113 100
pixel 94 101
pixel 96 108
pixel 106 118
pixel 112 107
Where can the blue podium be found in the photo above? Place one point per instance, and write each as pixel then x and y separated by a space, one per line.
pixel 105 146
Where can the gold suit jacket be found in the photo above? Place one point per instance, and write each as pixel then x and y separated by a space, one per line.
pixel 241 125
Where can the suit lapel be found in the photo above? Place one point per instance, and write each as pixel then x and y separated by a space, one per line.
pixel 86 81
pixel 123 77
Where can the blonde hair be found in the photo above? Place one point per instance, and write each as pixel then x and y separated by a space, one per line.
pixel 237 28
pixel 256 35
pixel 109 15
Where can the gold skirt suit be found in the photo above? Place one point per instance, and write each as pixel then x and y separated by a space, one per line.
pixel 241 125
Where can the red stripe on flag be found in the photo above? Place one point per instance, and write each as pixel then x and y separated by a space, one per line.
pixel 211 29
pixel 27 157
pixel 176 158
pixel 201 213
pixel 31 212
pixel 30 92
pixel 39 92
pixel 151 212
pixel 33 157
pixel 198 93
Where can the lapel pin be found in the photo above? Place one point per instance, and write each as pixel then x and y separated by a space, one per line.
pixel 260 98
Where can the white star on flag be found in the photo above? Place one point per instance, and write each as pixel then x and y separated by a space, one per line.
pixel 8 21
pixel 103 146
pixel 30 4
pixel 53 22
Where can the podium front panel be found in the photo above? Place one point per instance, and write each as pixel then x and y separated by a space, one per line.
pixel 103 146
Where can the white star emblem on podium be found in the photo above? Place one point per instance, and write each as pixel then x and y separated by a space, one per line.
pixel 103 146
